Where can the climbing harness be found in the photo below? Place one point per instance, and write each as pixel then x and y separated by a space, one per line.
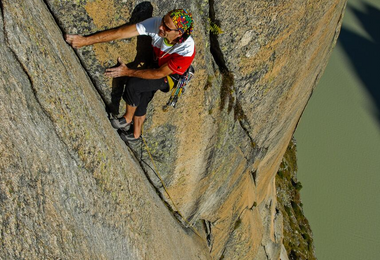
pixel 179 88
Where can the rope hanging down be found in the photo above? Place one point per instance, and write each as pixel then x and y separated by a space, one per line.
pixel 166 191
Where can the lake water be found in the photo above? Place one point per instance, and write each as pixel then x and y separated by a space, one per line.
pixel 338 140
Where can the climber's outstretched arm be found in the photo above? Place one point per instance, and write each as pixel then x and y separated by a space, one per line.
pixel 122 70
pixel 122 32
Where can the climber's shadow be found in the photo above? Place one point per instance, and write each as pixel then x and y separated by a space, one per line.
pixel 142 60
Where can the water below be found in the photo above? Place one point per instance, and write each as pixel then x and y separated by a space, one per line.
pixel 338 140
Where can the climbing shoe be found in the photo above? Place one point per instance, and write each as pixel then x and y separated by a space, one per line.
pixel 120 123
pixel 129 137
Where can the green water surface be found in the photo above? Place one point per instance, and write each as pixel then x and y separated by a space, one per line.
pixel 338 140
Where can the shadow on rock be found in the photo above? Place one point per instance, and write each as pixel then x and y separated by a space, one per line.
pixel 142 60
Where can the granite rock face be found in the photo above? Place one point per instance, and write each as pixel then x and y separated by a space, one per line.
pixel 69 186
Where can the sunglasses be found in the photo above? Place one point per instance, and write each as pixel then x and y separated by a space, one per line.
pixel 166 28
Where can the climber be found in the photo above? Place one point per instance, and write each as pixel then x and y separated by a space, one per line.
pixel 174 51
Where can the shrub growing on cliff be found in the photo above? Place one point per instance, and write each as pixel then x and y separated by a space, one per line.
pixel 214 28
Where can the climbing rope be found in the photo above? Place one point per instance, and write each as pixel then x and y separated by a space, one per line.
pixel 166 191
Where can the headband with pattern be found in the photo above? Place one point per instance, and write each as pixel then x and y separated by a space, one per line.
pixel 183 20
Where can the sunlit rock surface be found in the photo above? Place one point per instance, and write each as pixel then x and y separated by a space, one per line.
pixel 70 188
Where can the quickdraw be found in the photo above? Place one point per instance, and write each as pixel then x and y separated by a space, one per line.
pixel 179 88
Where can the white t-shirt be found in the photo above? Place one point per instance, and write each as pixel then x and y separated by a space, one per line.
pixel 178 57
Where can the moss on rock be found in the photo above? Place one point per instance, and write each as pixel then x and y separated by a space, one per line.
pixel 298 237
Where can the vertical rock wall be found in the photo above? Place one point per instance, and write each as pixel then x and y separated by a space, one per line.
pixel 77 190
pixel 69 187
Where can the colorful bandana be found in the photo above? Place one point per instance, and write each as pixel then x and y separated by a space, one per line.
pixel 183 20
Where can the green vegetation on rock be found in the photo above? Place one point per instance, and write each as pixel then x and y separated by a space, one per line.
pixel 298 239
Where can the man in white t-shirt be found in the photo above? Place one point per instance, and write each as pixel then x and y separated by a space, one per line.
pixel 174 50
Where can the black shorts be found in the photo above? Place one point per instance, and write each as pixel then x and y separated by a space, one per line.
pixel 139 92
